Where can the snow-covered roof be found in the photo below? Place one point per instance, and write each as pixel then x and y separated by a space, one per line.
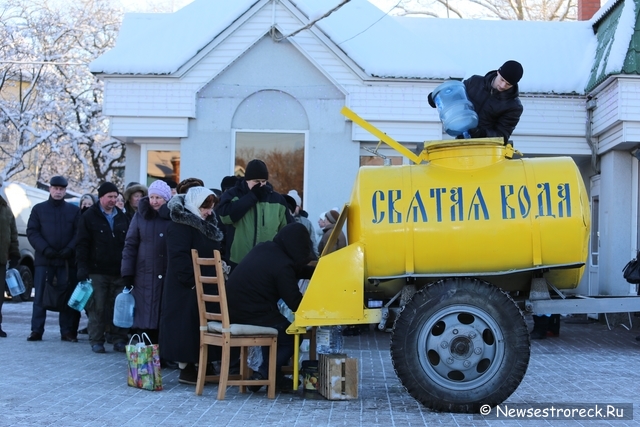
pixel 556 56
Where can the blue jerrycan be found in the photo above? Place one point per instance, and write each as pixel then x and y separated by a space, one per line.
pixel 81 295
pixel 123 309
pixel 14 282
pixel 455 110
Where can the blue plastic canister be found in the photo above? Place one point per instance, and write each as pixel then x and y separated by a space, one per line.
pixel 455 110
pixel 123 309
pixel 14 282
pixel 81 295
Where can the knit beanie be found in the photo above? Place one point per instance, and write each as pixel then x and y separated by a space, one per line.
pixel 107 187
pixel 228 182
pixel 291 203
pixel 194 198
pixel 332 216
pixel 161 189
pixel 188 183
pixel 511 71
pixel 295 196
pixel 256 169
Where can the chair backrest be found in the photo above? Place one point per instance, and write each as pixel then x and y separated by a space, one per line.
pixel 215 290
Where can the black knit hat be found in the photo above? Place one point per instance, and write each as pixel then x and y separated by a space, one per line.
pixel 511 71
pixel 256 169
pixel 107 187
pixel 228 182
pixel 290 202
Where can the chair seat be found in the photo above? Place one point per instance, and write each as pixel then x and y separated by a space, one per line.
pixel 239 329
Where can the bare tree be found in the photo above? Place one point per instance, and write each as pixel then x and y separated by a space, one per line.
pixel 50 104
pixel 522 10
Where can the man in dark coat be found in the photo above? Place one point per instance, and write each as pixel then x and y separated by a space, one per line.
pixel 51 230
pixel 9 249
pixel 268 273
pixel 495 99
pixel 102 230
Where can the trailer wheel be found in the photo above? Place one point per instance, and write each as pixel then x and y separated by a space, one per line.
pixel 460 344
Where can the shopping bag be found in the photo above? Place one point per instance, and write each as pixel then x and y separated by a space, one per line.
pixel 143 364
pixel 55 295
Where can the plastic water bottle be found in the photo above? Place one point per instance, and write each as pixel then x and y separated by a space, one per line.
pixel 123 309
pixel 329 339
pixel 81 295
pixel 336 339
pixel 14 282
pixel 455 110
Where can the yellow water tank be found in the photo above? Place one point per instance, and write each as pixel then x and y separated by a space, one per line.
pixel 472 211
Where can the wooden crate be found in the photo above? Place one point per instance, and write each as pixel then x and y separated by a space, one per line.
pixel 338 377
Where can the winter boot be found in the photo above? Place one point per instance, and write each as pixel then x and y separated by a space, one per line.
pixel 540 326
pixel 553 329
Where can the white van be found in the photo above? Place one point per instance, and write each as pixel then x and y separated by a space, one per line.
pixel 21 199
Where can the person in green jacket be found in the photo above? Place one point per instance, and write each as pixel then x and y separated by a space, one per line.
pixel 253 210
pixel 9 250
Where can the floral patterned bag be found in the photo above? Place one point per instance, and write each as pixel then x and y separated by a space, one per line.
pixel 143 364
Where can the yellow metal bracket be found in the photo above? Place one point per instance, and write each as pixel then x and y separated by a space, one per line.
pixel 381 135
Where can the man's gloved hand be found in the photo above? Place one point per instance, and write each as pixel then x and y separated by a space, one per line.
pixel 50 253
pixel 477 133
pixel 259 190
pixel 431 101
pixel 13 262
pixel 128 281
pixel 66 253
pixel 82 275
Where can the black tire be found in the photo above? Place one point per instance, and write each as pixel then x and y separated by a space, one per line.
pixel 460 344
pixel 27 279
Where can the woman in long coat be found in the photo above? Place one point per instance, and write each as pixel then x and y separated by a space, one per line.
pixel 193 226
pixel 144 259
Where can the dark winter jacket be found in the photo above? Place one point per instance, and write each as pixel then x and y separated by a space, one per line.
pixel 498 112
pixel 53 224
pixel 179 321
pixel 268 273
pixel 98 248
pixel 254 218
pixel 341 242
pixel 145 258
pixel 9 249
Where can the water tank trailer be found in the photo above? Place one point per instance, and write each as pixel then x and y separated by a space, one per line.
pixel 453 245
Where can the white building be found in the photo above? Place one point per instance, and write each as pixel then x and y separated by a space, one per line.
pixel 189 92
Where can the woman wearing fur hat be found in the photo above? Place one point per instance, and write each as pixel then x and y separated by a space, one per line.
pixel 132 195
pixel 253 210
pixel 144 259
pixel 193 226
pixel 327 222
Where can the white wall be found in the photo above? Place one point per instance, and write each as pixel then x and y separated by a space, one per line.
pixel 615 221
pixel 274 87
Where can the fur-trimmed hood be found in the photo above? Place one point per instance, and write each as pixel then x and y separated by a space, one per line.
pixel 180 214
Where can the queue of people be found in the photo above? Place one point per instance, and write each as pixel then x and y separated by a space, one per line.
pixel 144 243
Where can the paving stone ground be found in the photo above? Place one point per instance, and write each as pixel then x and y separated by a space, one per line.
pixel 55 383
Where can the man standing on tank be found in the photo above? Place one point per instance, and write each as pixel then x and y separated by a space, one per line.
pixel 496 101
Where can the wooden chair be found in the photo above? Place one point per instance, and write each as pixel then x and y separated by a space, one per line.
pixel 215 329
